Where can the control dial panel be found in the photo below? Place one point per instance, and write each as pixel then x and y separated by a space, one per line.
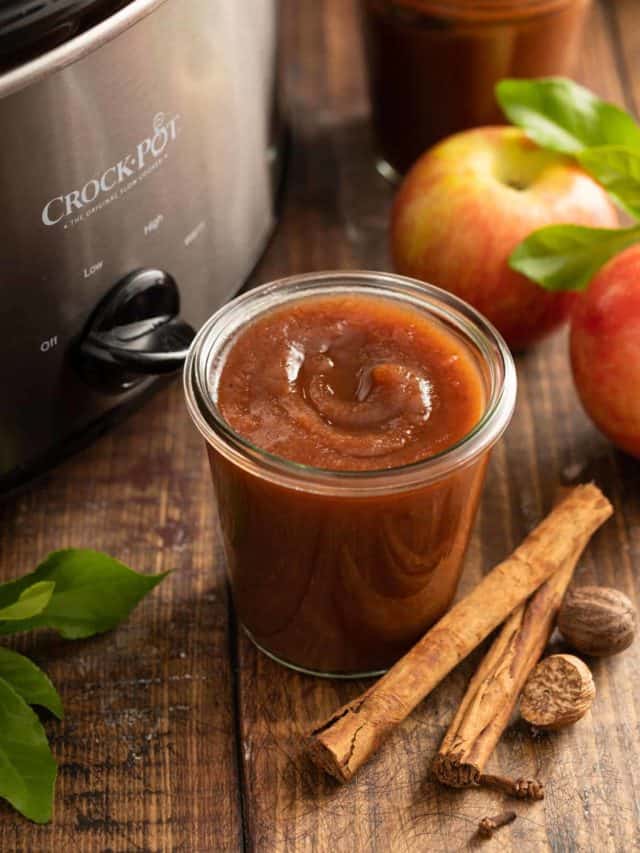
pixel 135 332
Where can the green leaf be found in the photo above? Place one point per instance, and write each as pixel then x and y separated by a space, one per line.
pixel 618 170
pixel 93 593
pixel 562 116
pixel 27 767
pixel 29 681
pixel 566 257
pixel 31 601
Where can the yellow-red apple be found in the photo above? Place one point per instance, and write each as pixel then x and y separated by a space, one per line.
pixel 605 350
pixel 467 203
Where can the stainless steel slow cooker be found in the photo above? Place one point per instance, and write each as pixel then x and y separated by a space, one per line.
pixel 138 167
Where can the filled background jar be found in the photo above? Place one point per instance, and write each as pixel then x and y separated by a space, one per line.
pixel 339 572
pixel 433 64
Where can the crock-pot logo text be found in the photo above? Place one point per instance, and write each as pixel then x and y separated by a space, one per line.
pixel 118 178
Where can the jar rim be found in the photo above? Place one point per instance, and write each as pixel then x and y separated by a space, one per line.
pixel 479 11
pixel 218 332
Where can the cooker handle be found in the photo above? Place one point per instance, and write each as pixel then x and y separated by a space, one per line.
pixel 135 333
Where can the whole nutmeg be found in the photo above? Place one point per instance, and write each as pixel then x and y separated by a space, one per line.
pixel 597 620
pixel 559 691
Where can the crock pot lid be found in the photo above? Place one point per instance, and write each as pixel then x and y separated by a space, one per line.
pixel 19 17
pixel 38 58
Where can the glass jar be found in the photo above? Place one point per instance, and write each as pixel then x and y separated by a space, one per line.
pixel 339 573
pixel 433 64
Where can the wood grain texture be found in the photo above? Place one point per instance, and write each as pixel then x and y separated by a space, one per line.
pixel 147 751
pixel 393 805
pixel 179 735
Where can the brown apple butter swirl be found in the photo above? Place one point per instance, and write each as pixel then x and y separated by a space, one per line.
pixel 349 383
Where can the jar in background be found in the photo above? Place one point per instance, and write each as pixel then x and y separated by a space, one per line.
pixel 340 572
pixel 433 64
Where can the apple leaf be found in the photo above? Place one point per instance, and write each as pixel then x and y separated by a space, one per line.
pixel 31 601
pixel 29 681
pixel 79 593
pixel 566 257
pixel 617 169
pixel 27 767
pixel 92 593
pixel 561 116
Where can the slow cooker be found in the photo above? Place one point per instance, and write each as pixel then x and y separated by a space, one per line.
pixel 139 163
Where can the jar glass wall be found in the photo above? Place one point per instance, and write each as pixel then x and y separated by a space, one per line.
pixel 433 64
pixel 340 572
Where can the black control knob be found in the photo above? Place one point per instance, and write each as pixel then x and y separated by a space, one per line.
pixel 135 333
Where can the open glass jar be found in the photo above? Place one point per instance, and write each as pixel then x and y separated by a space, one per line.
pixel 340 572
pixel 433 64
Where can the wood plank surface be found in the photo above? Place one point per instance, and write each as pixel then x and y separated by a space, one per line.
pixel 178 734
pixel 147 750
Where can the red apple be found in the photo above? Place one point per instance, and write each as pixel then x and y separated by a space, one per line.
pixel 469 201
pixel 605 350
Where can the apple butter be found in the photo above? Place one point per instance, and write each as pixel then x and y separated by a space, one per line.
pixel 350 383
pixel 348 430
pixel 433 64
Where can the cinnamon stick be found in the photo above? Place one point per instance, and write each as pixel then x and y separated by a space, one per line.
pixel 492 692
pixel 352 735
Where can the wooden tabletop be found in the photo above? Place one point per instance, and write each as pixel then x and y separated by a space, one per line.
pixel 178 735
